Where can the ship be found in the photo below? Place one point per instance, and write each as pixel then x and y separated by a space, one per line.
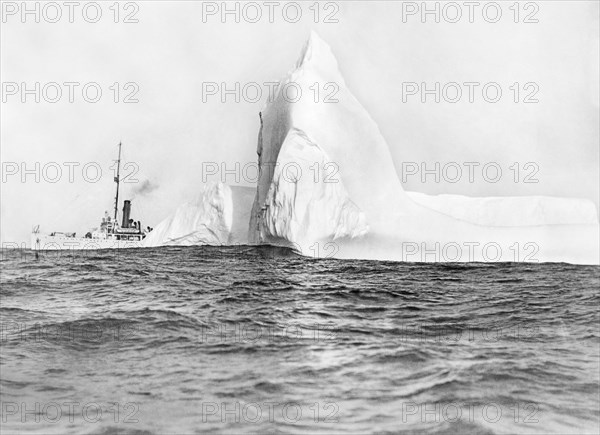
pixel 109 235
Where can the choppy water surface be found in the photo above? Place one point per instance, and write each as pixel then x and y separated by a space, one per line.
pixel 206 339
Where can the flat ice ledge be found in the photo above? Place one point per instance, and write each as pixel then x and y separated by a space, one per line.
pixel 511 211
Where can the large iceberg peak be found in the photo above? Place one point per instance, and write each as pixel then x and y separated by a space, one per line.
pixel 317 52
pixel 334 143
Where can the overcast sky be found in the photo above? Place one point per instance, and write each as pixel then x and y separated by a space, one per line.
pixel 170 132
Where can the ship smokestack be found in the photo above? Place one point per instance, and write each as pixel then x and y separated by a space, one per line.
pixel 126 213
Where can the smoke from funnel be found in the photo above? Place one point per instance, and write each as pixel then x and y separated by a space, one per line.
pixel 145 188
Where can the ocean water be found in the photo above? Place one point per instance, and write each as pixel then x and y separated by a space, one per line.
pixel 260 340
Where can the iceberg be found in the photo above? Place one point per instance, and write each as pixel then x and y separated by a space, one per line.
pixel 360 207
pixel 218 216
pixel 328 187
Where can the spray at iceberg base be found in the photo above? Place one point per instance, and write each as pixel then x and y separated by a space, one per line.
pixel 361 211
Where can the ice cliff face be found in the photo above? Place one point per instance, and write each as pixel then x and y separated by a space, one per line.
pixel 302 204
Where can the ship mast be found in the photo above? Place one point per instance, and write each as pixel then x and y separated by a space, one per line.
pixel 117 181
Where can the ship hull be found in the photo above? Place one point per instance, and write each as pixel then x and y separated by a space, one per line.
pixel 57 243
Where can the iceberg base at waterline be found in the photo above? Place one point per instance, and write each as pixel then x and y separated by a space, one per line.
pixel 220 216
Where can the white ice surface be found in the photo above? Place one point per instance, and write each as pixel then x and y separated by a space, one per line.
pixel 218 216
pixel 511 211
pixel 367 214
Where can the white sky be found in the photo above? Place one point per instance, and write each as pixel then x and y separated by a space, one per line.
pixel 170 132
